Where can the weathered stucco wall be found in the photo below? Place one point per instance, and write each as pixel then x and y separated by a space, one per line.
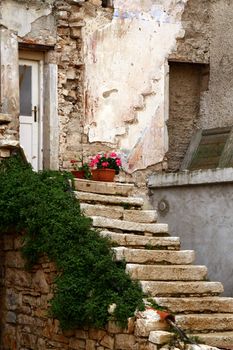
pixel 126 77
pixel 217 103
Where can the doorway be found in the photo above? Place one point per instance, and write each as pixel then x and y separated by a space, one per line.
pixel 30 120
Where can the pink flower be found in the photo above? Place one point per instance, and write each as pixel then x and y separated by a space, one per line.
pixel 105 164
pixel 98 156
pixel 118 162
pixel 113 155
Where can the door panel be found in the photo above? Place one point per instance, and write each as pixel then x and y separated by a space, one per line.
pixel 29 110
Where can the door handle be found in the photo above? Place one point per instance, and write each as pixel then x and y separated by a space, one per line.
pixel 35 113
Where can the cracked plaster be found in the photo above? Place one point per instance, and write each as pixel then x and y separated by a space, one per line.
pixel 24 16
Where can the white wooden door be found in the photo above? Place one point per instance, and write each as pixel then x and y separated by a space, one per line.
pixel 30 116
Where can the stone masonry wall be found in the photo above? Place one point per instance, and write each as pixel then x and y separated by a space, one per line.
pixel 25 324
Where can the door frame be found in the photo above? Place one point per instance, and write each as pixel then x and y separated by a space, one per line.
pixel 39 58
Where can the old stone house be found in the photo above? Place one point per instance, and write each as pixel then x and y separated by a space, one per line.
pixel 143 78
pixel 151 79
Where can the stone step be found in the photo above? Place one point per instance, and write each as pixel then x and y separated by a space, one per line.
pixel 204 304
pixel 156 229
pixel 203 288
pixel 125 202
pixel 140 241
pixel 109 188
pixel 166 273
pixel 205 322
pixel 218 339
pixel 143 256
pixel 117 212
pixel 142 216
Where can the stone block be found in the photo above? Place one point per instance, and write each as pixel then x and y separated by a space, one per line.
pixel 75 33
pixel 111 188
pixel 11 317
pixel 204 304
pixel 77 344
pixel 14 259
pixel 152 346
pixel 132 240
pixel 142 216
pixel 5 153
pixel 205 322
pixel 90 344
pixel 109 199
pixel 96 334
pixel 39 282
pixel 107 341
pixel 160 337
pixel 12 299
pixel 81 334
pixel 145 326
pixel 144 256
pixel 158 288
pixel 102 210
pixel 125 342
pixel 166 272
pixel 103 222
pixel 17 277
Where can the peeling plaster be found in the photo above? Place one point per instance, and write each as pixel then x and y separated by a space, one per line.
pixel 128 54
pixel 23 18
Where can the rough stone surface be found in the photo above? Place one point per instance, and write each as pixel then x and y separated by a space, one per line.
pixel 142 216
pixel 166 273
pixel 145 326
pixel 129 226
pixel 147 242
pixel 102 210
pixel 103 187
pixel 143 256
pixel 221 339
pixel 181 288
pixel 160 337
pixel 205 322
pixel 115 200
pixel 204 304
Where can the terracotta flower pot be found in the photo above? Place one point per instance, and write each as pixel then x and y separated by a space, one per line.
pixel 163 314
pixel 79 174
pixel 106 175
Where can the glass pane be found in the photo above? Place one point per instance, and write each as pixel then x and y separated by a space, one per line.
pixel 25 90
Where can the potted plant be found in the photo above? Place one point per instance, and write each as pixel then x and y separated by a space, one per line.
pixel 80 169
pixel 105 166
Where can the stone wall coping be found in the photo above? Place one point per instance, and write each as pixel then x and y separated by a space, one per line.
pixel 187 178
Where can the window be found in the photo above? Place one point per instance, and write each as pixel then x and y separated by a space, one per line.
pixel 210 149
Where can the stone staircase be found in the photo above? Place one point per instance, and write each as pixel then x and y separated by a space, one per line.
pixel 166 273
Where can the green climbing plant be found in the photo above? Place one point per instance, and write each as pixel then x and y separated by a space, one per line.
pixel 43 206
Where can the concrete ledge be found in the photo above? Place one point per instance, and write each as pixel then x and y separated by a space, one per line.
pixel 184 178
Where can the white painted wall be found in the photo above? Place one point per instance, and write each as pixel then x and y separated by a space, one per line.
pixel 125 77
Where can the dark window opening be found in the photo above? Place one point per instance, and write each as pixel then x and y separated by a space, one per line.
pixel 186 83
